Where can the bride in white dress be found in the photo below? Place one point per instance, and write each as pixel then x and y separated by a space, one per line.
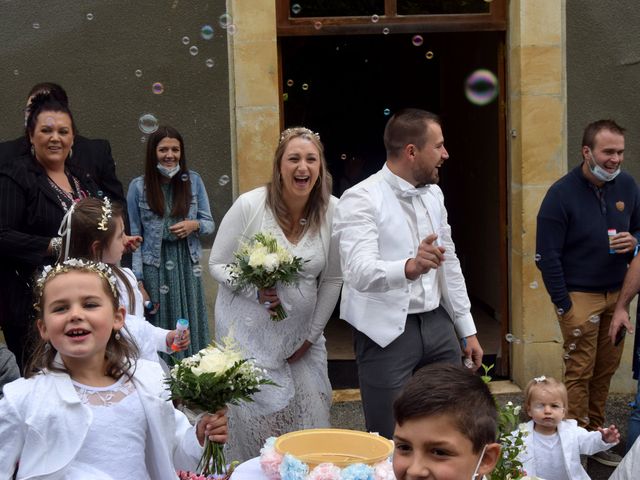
pixel 297 207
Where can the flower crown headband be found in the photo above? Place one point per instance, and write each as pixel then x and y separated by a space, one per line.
pixel 49 272
pixel 289 132
pixel 65 224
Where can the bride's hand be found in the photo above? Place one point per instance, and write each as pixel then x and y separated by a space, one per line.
pixel 269 298
pixel 297 355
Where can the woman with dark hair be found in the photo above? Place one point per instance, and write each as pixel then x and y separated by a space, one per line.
pixel 168 206
pixel 296 206
pixel 35 192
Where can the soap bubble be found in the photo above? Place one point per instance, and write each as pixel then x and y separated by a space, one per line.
pixel 343 156
pixel 16 72
pixel 89 16
pixel 148 123
pixel 387 112
pixel 417 40
pixel 533 285
pixel 36 25
pixel 224 20
pixel 509 337
pixel 594 318
pixel 193 50
pixel 157 88
pixel 375 18
pixel 285 96
pixel 290 82
pixel 577 332
pixel 186 40
pixel 206 32
pixel 197 270
pixel 223 180
pixel 429 55
pixel 296 8
pixel 184 177
pixel 209 62
pixel 572 346
pixel 231 29
pixel 317 25
pixel 164 289
pixel 385 31
pixel 143 139
pixel 566 355
pixel 303 221
pixel 138 73
pixel 560 311
pixel 100 193
pixel 481 87
pixel 305 86
pixel 169 265
pixel 537 257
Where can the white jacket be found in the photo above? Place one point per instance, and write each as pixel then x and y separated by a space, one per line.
pixel 629 467
pixel 43 425
pixel 574 440
pixel 375 243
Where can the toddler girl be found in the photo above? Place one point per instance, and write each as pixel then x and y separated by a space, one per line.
pixel 554 444
pixel 87 408
pixel 94 229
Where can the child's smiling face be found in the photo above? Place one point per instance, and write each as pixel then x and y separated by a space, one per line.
pixel 432 448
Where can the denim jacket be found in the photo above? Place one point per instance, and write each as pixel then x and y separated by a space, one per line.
pixel 147 223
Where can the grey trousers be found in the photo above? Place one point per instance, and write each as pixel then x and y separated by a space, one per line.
pixel 428 337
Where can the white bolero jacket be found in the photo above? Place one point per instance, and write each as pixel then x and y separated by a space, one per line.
pixel 43 425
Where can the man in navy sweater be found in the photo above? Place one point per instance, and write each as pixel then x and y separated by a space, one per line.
pixel 588 228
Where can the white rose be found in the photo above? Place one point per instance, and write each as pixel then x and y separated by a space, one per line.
pixel 271 262
pixel 257 258
pixel 215 361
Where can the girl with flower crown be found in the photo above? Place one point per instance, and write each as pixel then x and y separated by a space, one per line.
pixel 94 229
pixel 169 207
pixel 296 207
pixel 87 407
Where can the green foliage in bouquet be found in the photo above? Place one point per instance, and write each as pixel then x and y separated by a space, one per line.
pixel 510 438
pixel 262 263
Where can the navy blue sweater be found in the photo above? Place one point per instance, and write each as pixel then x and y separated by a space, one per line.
pixel 572 244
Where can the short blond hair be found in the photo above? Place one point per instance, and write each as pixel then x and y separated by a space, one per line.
pixel 549 384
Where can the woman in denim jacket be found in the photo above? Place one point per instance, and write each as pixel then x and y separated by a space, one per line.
pixel 169 207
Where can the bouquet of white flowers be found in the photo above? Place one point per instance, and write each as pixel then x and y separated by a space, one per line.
pixel 261 263
pixel 211 379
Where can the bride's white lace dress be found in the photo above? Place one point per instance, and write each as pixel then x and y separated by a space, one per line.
pixel 303 396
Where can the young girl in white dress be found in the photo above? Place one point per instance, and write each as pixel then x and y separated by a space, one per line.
pixel 297 208
pixel 94 229
pixel 87 408
pixel 554 444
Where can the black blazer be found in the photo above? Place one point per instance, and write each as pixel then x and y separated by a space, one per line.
pixel 93 156
pixel 30 215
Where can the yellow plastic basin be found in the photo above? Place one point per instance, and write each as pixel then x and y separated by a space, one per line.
pixel 333 445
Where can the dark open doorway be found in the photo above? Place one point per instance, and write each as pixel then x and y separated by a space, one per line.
pixel 346 86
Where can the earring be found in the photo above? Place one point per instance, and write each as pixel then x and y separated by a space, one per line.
pixel 33 150
pixel 71 152
pixel 117 336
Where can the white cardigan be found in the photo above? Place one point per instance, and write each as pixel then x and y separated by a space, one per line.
pixel 243 220
pixel 43 425
pixel 574 440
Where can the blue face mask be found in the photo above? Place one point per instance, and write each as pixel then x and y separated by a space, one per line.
pixel 599 172
pixel 168 172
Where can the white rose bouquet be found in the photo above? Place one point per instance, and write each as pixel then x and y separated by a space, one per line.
pixel 261 263
pixel 209 380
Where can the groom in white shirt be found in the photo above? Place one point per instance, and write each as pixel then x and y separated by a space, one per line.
pixel 403 290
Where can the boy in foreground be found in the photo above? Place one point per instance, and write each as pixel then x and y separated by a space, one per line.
pixel 446 423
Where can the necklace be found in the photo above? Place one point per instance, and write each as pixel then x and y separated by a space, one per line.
pixel 65 198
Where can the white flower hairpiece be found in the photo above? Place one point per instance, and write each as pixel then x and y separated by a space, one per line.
pixel 106 214
pixel 297 131
pixel 539 379
pixel 49 272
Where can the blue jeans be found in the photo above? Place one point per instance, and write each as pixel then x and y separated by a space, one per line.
pixel 634 421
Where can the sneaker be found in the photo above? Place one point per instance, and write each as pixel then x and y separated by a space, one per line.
pixel 607 457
